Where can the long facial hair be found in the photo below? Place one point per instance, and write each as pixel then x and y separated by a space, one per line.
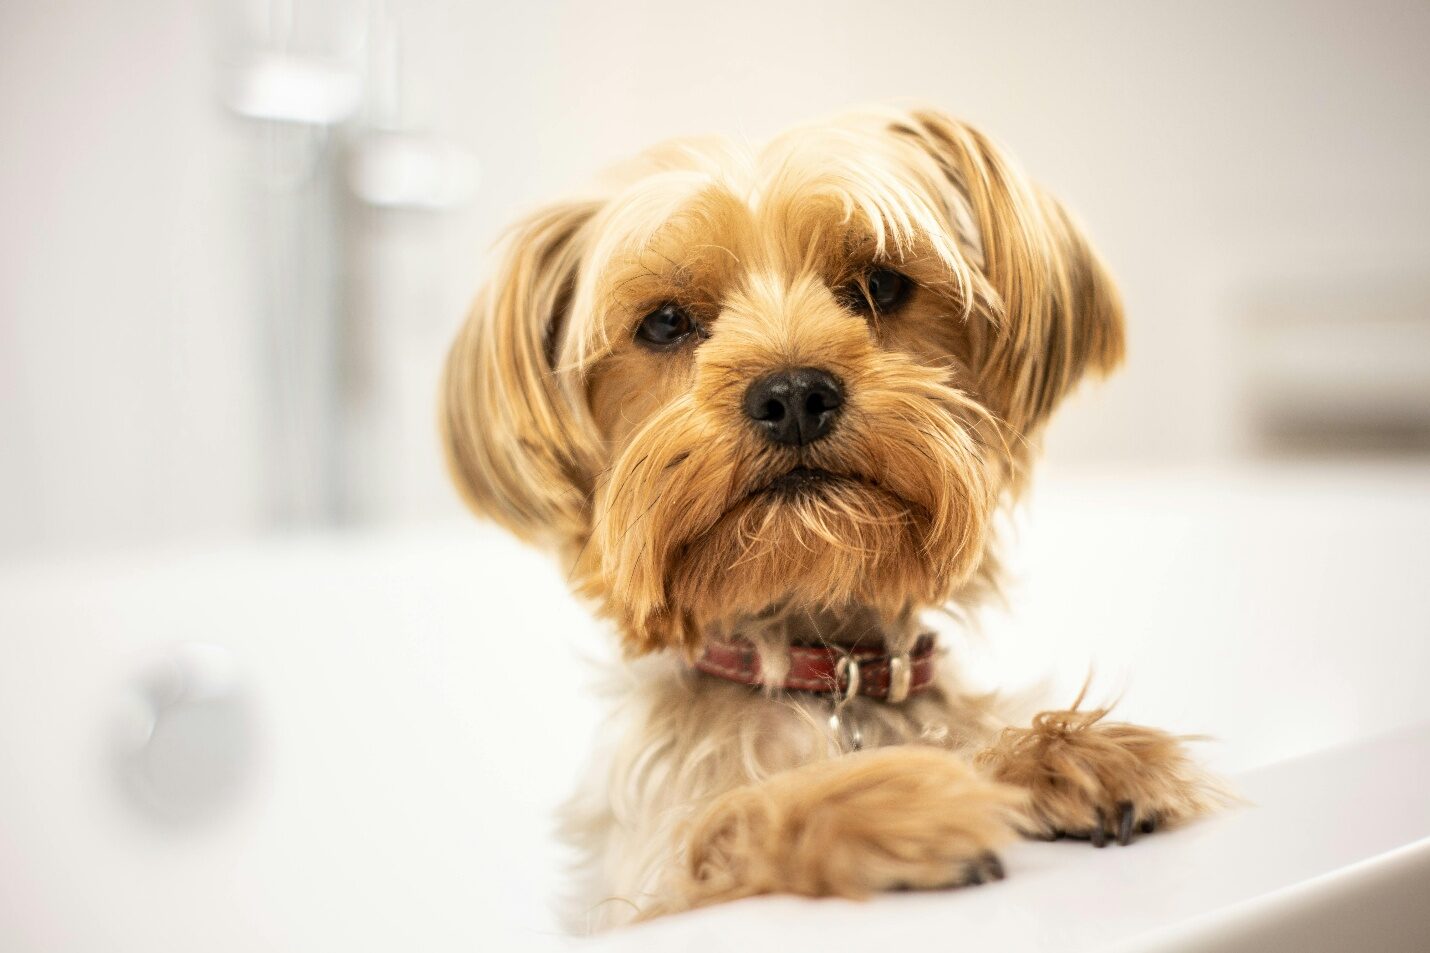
pixel 641 467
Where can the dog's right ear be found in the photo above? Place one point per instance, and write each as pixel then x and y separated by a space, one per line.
pixel 518 442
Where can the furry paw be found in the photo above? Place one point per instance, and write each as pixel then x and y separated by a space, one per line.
pixel 886 819
pixel 1099 780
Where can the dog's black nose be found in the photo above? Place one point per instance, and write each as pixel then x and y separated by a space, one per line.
pixel 795 407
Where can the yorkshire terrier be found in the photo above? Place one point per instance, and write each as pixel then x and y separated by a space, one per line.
pixel 765 404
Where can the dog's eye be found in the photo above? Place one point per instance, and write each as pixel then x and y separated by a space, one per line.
pixel 887 288
pixel 881 292
pixel 665 326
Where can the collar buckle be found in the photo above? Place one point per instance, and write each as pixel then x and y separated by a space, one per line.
pixel 846 671
pixel 901 678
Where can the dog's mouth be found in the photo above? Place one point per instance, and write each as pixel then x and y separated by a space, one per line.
pixel 804 481
pixel 808 483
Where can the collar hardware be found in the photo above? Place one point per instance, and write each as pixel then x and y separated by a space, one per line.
pixel 840 672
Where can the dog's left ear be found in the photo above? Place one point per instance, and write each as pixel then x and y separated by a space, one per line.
pixel 1054 310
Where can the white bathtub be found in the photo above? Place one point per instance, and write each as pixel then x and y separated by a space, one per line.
pixel 380 779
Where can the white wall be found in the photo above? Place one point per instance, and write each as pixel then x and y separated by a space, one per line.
pixel 126 384
pixel 1213 149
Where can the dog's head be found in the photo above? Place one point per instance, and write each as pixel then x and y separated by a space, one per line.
pixel 802 377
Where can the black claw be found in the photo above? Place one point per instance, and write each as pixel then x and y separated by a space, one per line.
pixel 973 873
pixel 993 865
pixel 1098 834
pixel 1149 825
pixel 1058 834
pixel 1124 823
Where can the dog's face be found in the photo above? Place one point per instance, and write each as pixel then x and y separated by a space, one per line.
pixel 738 383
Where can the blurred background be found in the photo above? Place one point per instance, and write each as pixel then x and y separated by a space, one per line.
pixel 245 628
pixel 239 235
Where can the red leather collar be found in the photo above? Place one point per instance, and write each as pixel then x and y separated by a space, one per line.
pixel 870 672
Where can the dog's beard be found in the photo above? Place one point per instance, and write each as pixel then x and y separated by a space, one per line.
pixel 697 522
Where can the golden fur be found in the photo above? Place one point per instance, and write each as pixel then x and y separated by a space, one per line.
pixel 639 467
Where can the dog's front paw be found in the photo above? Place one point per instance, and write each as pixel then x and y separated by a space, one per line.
pixel 890 819
pixel 1100 780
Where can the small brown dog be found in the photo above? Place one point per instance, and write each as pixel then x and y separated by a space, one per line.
pixel 765 405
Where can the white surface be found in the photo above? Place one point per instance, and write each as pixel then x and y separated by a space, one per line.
pixel 400 796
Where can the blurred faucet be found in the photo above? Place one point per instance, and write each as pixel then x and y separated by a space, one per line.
pixel 185 734
pixel 318 85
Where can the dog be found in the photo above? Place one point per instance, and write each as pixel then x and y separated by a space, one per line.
pixel 765 403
